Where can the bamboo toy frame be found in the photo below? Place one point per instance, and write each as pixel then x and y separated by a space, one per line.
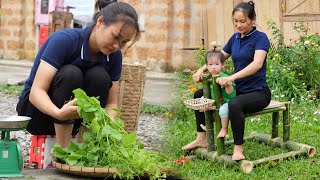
pixel 216 152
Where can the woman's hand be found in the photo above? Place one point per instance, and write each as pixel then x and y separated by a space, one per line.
pixel 68 111
pixel 224 81
pixel 196 76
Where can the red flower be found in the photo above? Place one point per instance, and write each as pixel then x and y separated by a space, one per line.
pixel 316 33
pixel 184 160
pixel 181 161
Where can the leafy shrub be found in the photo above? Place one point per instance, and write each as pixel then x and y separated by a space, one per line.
pixel 293 70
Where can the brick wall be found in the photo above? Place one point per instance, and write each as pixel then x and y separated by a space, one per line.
pixel 167 34
pixel 17 29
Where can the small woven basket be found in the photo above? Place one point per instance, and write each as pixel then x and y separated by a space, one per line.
pixel 201 104
pixel 131 94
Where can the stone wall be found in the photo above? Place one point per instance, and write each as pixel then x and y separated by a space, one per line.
pixel 17 29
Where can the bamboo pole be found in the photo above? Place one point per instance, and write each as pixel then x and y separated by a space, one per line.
pixel 208 117
pixel 247 166
pixel 217 120
pixel 275 122
pixel 278 142
pixel 265 111
pixel 286 123
pixel 213 156
pixel 228 143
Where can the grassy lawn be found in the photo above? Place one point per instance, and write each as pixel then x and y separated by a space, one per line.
pixel 181 132
pixel 305 128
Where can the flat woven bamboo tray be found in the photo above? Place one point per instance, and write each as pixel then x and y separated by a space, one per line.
pixel 97 172
pixel 84 171
pixel 200 104
pixel 131 94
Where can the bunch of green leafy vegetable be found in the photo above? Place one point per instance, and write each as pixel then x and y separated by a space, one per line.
pixel 107 144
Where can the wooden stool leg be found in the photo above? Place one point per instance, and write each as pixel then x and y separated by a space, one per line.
pixel 286 123
pixel 275 121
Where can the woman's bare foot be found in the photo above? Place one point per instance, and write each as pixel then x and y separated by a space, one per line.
pixel 223 133
pixel 195 144
pixel 238 153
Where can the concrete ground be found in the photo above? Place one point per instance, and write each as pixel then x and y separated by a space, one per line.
pixel 159 88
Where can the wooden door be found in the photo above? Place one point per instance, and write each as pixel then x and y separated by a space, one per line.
pixel 60 20
pixel 219 27
pixel 294 12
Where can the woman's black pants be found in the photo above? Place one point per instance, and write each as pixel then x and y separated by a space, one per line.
pixel 95 82
pixel 238 106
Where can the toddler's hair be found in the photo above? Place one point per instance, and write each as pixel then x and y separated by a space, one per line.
pixel 215 53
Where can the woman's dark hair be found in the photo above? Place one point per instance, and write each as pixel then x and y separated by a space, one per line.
pixel 215 53
pixel 120 12
pixel 247 8
pixel 100 4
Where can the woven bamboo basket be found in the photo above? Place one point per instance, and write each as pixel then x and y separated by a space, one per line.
pixel 201 104
pixel 131 94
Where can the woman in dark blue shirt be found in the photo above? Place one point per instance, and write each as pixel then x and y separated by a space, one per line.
pixel 87 58
pixel 248 48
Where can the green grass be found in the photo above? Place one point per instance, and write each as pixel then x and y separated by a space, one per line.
pixel 305 128
pixel 153 109
pixel 11 90
pixel 180 132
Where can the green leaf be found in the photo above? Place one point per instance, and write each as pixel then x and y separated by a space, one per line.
pixel 73 146
pixel 71 161
pixel 125 153
pixel 95 126
pixel 108 130
pixel 130 139
pixel 140 145
pixel 117 110
pixel 80 163
pixel 59 152
pixel 75 156
pixel 94 101
pixel 87 137
pixel 119 122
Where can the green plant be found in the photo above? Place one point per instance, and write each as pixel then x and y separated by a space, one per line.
pixel 200 57
pixel 11 90
pixel 153 109
pixel 301 28
pixel 107 144
pixel 293 70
